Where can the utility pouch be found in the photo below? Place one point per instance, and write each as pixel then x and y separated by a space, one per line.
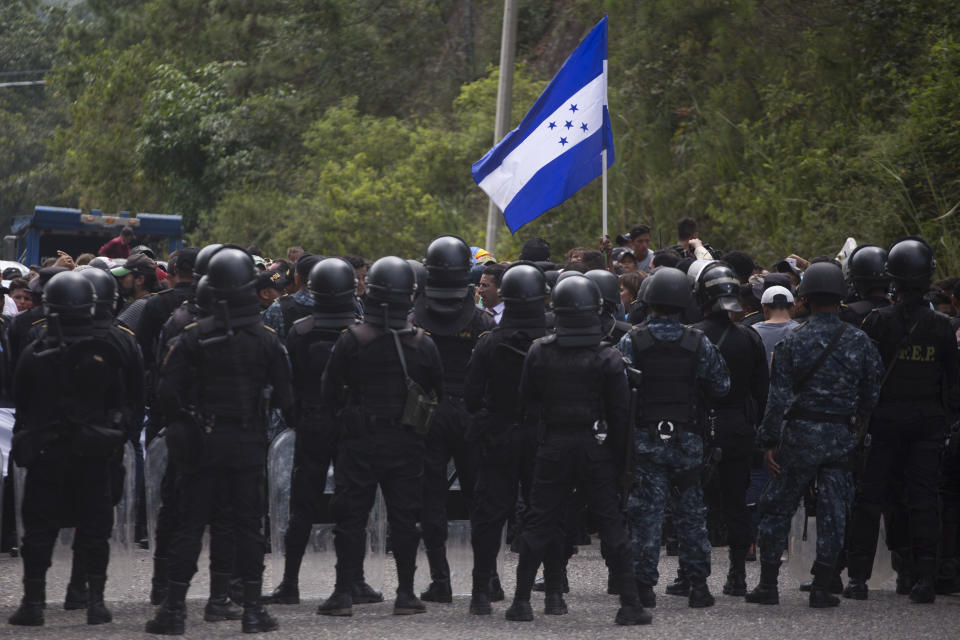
pixel 420 405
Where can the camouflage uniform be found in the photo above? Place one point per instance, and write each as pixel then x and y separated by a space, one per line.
pixel 273 316
pixel 656 462
pixel 814 438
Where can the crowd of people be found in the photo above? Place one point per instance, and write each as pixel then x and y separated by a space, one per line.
pixel 684 396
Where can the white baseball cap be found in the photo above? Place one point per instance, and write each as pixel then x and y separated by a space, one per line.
pixel 776 294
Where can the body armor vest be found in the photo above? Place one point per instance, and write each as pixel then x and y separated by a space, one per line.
pixel 310 349
pixel 570 379
pixel 382 390
pixel 917 375
pixel 292 311
pixel 231 378
pixel 669 369
pixel 502 395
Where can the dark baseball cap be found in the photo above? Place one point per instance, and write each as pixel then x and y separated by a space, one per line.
pixel 305 264
pixel 138 263
pixel 270 279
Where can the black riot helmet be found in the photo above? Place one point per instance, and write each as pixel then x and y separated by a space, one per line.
pixel 864 268
pixel 391 283
pixel 609 286
pixel 448 262
pixel 204 296
pixel 333 284
pixel 203 259
pixel 70 296
pixel 910 263
pixel 233 276
pixel 823 279
pixel 420 272
pixel 718 287
pixel 668 287
pixel 523 290
pixel 577 302
pixel 105 286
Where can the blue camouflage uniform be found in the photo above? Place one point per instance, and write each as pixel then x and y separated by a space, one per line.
pixel 273 316
pixel 657 462
pixel 810 430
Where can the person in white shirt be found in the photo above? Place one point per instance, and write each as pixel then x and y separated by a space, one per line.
pixel 777 304
pixel 488 290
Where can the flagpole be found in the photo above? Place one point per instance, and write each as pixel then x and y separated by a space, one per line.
pixel 508 39
pixel 603 159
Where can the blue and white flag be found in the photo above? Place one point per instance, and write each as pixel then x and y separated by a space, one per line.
pixel 556 149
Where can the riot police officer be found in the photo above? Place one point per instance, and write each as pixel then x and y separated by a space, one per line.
pixel 578 389
pixel 383 379
pixel 865 272
pixel 677 366
pixel 446 310
pixel 332 283
pixel 823 381
pixel 906 432
pixel 731 420
pixel 76 388
pixel 219 380
pixel 612 328
pixel 505 436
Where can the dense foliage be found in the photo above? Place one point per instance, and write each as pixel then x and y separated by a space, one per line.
pixel 350 125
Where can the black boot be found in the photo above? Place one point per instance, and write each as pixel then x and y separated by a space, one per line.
pixel 553 604
pixel 480 594
pixel 646 595
pixel 408 604
pixel 766 592
pixel 902 560
pixel 680 586
pixel 923 589
pixel 519 611
pixel 97 612
pixel 439 589
pixel 76 595
pixel 496 589
pixel 736 584
pixel 169 619
pixel 856 589
pixel 630 612
pixel 700 596
pixel 255 617
pixel 219 606
pixel 30 611
pixel 362 593
pixel 340 603
pixel 158 584
pixel 820 596
pixel 286 593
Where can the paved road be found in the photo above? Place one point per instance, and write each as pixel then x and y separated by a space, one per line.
pixel 885 615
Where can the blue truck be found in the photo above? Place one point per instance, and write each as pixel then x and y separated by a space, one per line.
pixel 39 236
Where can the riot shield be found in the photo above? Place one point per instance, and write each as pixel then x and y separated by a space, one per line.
pixel 123 572
pixel 154 466
pixel 317 574
pixel 802 551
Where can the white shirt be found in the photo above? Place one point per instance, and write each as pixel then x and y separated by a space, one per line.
pixel 497 312
pixel 9 306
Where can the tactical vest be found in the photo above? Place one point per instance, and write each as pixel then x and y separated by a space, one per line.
pixel 231 377
pixel 455 353
pixel 917 375
pixel 382 390
pixel 502 395
pixel 669 369
pixel 310 349
pixel 571 383
pixel 292 311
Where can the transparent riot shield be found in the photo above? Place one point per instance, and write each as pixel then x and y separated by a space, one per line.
pixel 123 571
pixel 3 476
pixel 154 466
pixel 317 573
pixel 802 551
pixel 459 546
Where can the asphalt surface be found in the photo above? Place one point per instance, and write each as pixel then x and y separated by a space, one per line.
pixel 884 615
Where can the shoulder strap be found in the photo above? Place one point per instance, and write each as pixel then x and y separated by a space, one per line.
pixel 641 339
pixel 690 341
pixel 403 360
pixel 900 345
pixel 830 348
pixel 723 336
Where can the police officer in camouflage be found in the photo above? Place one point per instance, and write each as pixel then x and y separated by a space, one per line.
pixel 920 391
pixel 446 310
pixel 578 389
pixel 677 366
pixel 381 373
pixel 823 383
pixel 505 436
pixel 218 382
pixel 332 283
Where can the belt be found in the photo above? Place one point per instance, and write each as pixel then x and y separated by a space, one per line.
pixel 799 413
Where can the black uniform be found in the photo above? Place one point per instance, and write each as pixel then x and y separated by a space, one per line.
pixel 856 312
pixel 364 381
pixel 455 339
pixel 156 312
pixel 505 437
pixel 733 418
pixel 95 377
pixel 225 378
pixel 907 428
